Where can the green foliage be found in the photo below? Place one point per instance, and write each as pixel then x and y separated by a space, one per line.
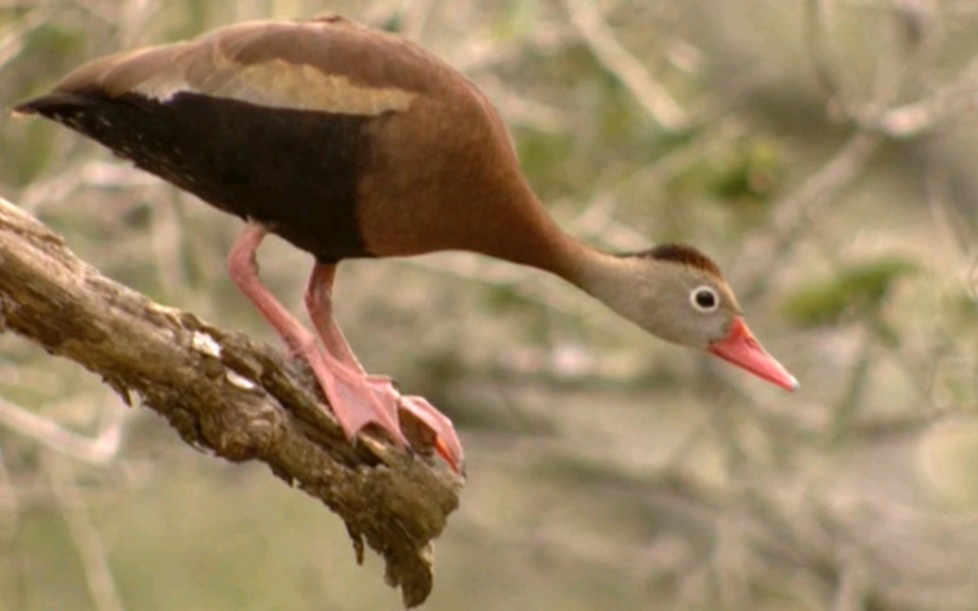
pixel 35 151
pixel 854 291
pixel 53 48
pixel 516 20
pixel 545 156
pixel 745 173
pixel 748 173
pixel 48 50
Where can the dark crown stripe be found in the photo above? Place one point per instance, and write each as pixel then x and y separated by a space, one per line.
pixel 679 253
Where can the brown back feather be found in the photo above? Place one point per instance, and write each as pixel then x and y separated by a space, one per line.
pixel 333 46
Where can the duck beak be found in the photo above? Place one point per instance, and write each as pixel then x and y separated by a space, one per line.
pixel 742 349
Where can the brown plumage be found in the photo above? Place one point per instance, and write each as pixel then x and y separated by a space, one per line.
pixel 350 142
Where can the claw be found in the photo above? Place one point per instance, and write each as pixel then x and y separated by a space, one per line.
pixel 357 399
pixel 447 443
pixel 381 394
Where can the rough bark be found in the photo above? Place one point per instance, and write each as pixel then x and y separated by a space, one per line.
pixel 226 394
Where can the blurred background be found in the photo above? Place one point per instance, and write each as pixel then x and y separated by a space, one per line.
pixel 824 153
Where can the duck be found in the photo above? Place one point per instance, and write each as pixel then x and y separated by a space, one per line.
pixel 352 142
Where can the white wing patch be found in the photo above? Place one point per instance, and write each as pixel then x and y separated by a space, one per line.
pixel 276 84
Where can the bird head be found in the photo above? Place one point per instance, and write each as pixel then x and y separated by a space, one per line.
pixel 678 294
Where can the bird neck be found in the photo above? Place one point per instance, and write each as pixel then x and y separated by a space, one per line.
pixel 621 283
pixel 531 237
pixel 624 284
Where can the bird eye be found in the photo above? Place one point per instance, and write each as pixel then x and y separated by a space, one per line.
pixel 704 298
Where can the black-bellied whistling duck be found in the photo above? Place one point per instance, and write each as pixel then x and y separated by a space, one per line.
pixel 351 142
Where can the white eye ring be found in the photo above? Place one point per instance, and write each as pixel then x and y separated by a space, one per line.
pixel 704 299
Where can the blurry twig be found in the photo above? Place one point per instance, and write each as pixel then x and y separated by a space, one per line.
pixel 167 241
pixel 947 222
pixel 99 450
pixel 519 109
pixel 795 212
pixel 914 119
pixel 87 540
pixel 63 186
pixel 12 43
pixel 972 279
pixel 878 113
pixel 824 69
pixel 521 281
pixel 851 590
pixel 414 17
pixel 651 95
pixel 840 424
pixel 874 121
pixel 9 504
pixel 132 18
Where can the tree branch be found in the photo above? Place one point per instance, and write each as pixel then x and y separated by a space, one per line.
pixel 225 394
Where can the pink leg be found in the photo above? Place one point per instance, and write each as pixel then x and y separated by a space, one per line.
pixel 354 402
pixel 319 302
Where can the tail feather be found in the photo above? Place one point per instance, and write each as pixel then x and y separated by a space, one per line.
pixel 90 113
pixel 131 126
pixel 55 104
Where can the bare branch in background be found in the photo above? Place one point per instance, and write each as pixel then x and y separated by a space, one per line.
pixel 88 542
pixel 601 39
pixel 98 450
pixel 914 119
pixel 795 212
pixel 914 25
pixel 9 504
pixel 823 66
pixel 874 119
pixel 221 393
